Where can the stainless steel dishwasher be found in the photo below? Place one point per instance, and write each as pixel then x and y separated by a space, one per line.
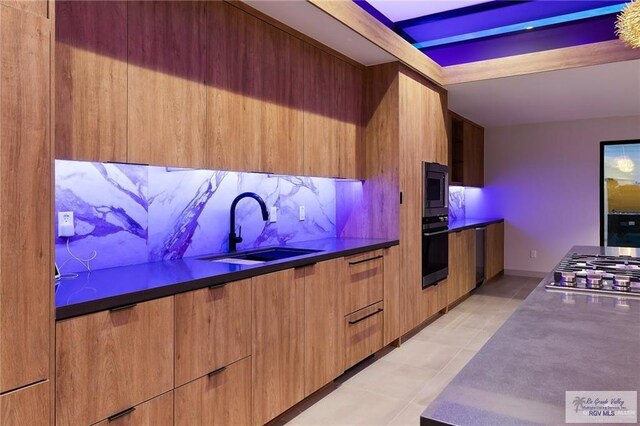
pixel 480 259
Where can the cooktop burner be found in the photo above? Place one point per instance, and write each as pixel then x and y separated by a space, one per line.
pixel 618 275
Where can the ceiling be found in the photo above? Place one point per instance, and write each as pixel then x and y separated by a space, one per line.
pixel 609 90
pixel 456 32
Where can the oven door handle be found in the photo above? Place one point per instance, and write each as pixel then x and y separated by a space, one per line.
pixel 429 234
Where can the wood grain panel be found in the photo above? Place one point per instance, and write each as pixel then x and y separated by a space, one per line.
pixel 155 412
pixel 364 284
pixel 166 95
pixel 278 343
pixel 25 196
pixel 473 154
pixel 363 333
pixel 254 94
pixel 432 299
pixel 91 80
pixel 324 331
pixel 221 399
pixel 391 294
pixel 462 264
pixel 494 250
pixel 37 7
pixel 213 329
pixel 105 361
pixel 28 406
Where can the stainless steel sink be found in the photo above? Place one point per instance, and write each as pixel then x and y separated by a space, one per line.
pixel 260 256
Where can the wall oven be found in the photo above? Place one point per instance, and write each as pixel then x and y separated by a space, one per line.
pixel 435 224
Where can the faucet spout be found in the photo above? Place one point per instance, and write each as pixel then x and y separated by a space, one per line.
pixel 233 238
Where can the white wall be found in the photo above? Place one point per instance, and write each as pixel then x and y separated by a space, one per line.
pixel 544 180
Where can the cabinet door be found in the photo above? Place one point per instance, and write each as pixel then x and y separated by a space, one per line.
pixel 254 94
pixel 109 361
pixel 28 406
pixel 155 412
pixel 391 294
pixel 220 398
pixel 26 276
pixel 462 264
pixel 473 155
pixel 494 250
pixel 278 343
pixel 363 333
pixel 365 280
pixel 166 91
pixel 213 329
pixel 91 80
pixel 323 319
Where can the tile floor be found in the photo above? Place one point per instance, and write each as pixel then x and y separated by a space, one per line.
pixel 395 386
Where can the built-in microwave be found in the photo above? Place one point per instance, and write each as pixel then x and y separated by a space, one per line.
pixel 436 190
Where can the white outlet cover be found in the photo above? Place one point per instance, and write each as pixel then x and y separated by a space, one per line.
pixel 301 213
pixel 273 214
pixel 66 227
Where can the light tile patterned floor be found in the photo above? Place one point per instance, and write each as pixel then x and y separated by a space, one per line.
pixel 395 386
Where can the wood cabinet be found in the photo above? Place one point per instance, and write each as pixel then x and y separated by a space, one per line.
pixel 167 104
pixel 364 283
pixel 323 324
pixel 26 229
pixel 37 7
pixel 254 89
pixel 213 329
pixel 157 412
pixel 220 398
pixel 28 406
pixel 113 360
pixel 332 115
pixel 462 264
pixel 363 333
pixel 91 80
pixel 278 343
pixel 391 294
pixel 494 250
pixel 467 152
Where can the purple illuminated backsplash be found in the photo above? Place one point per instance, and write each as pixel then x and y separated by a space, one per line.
pixel 135 214
pixel 457 205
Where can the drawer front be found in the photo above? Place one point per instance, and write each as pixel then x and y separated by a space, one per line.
pixel 221 398
pixel 213 329
pixel 364 333
pixel 156 412
pixel 113 360
pixel 27 406
pixel 365 280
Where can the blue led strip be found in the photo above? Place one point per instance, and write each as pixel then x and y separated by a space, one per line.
pixel 560 19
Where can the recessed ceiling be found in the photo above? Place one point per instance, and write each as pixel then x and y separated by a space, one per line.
pixel 403 10
pixel 609 90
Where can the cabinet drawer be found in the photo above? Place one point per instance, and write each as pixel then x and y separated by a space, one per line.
pixel 365 277
pixel 109 361
pixel 156 412
pixel 213 329
pixel 221 398
pixel 29 406
pixel 363 333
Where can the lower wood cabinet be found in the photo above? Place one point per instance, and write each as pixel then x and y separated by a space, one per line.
pixel 213 329
pixel 222 397
pixel 391 294
pixel 278 343
pixel 363 333
pixel 113 360
pixel 364 283
pixel 155 412
pixel 462 264
pixel 494 250
pixel 27 406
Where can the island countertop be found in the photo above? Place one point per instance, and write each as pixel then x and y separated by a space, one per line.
pixel 556 341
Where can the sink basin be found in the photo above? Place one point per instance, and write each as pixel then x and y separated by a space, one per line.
pixel 261 256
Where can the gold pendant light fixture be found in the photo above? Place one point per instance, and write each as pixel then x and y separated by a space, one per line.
pixel 628 24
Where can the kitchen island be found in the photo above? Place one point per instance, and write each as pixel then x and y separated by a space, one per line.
pixel 556 341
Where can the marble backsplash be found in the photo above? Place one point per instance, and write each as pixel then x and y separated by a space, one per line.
pixel 457 203
pixel 133 214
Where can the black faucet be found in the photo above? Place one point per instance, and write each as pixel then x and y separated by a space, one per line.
pixel 233 239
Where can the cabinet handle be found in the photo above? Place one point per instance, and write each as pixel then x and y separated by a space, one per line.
pixel 366 260
pixel 218 371
pixel 305 265
pixel 123 307
pixel 366 316
pixel 121 414
pixel 213 287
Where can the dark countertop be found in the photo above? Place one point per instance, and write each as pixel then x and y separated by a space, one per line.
pixel 459 225
pixel 108 288
pixel 556 341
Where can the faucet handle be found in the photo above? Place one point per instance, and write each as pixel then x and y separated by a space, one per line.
pixel 239 237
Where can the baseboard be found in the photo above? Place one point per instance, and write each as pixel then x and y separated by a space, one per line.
pixel 520 273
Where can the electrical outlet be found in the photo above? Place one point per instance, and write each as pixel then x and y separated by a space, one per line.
pixel 273 215
pixel 65 224
pixel 533 254
pixel 301 213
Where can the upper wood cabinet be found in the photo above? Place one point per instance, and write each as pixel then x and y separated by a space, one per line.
pixel 494 250
pixel 333 93
pixel 166 74
pixel 26 279
pixel 467 152
pixel 462 264
pixel 254 84
pixel 91 80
